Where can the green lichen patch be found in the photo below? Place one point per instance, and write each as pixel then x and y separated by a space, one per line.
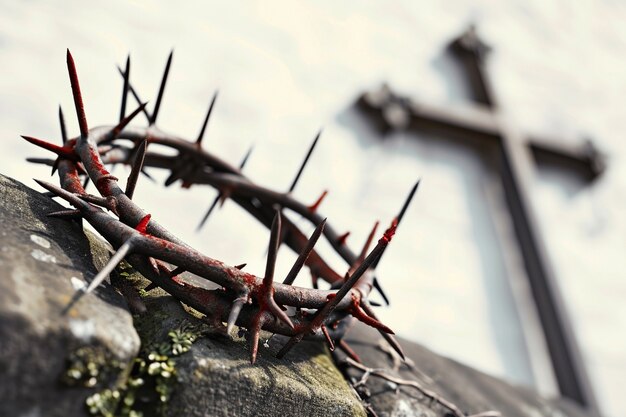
pixel 91 367
pixel 113 403
pixel 182 338
pixel 165 335
pixel 152 379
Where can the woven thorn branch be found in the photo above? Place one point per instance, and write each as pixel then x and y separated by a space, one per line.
pixel 243 299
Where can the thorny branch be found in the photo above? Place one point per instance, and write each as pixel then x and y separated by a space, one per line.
pixel 252 302
pixel 431 395
pixel 243 299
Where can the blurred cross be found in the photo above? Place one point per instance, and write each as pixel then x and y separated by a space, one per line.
pixel 484 124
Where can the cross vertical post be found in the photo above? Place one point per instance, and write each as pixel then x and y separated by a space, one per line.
pixel 486 123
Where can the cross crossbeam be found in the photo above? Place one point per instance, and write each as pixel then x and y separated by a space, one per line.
pixel 392 111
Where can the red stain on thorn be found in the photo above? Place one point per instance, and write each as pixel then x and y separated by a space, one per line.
pixel 143 224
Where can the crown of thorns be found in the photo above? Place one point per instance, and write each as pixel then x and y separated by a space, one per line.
pixel 243 299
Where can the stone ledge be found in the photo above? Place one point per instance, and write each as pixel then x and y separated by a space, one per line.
pixel 41 258
pixel 38 258
pixel 472 391
pixel 41 261
pixel 215 377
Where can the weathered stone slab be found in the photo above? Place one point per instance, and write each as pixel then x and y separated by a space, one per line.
pixel 185 366
pixel 42 261
pixel 472 391
pixel 215 377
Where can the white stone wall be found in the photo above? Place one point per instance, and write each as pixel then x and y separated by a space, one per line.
pixel 284 70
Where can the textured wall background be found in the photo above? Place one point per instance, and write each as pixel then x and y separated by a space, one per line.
pixel 285 70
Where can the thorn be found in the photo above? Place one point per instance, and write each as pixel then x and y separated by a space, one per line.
pixel 224 195
pixel 397 220
pixel 234 312
pixel 209 211
pixel 255 329
pixel 160 268
pixel 343 345
pixel 400 215
pixel 243 162
pixel 388 337
pixel 63 128
pixel 313 208
pixel 389 233
pixel 323 313
pixel 143 224
pixel 42 161
pixel 315 280
pixel 140 155
pixel 86 182
pixel 291 343
pixel 109 203
pixel 341 240
pixel 362 316
pixel 150 287
pixel 66 152
pixel 272 251
pixel 180 171
pixel 206 120
pixel 66 214
pixel 265 294
pixel 368 242
pixel 75 298
pixel 125 89
pixel 78 98
pixel 155 264
pixel 66 195
pixel 331 345
pixel 360 270
pixel 241 266
pixel 381 291
pixel 405 206
pixel 134 94
pixel 306 159
pixel 150 177
pixel 304 254
pixel 100 276
pixel 365 249
pixel 125 121
pixel 110 266
pixel 369 410
pixel 157 105
pixel 176 271
pixel 219 196
pixel 55 165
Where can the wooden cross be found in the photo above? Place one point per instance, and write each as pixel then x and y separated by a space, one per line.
pixel 483 124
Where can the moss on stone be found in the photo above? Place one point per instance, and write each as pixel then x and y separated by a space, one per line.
pixel 181 371
pixel 152 378
pixel 92 366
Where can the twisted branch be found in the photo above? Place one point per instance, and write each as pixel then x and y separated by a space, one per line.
pixel 431 395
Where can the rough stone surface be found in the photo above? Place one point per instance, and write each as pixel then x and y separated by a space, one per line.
pixel 215 377
pixel 42 261
pixel 472 391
